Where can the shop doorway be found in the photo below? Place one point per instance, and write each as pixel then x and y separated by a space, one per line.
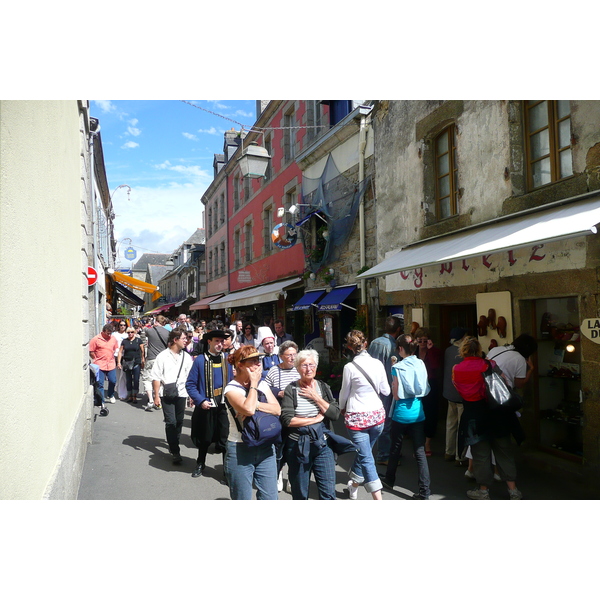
pixel 456 315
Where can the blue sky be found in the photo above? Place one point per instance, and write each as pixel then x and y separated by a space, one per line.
pixel 164 150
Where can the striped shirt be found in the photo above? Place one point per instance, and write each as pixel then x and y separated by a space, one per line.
pixel 305 408
pixel 281 378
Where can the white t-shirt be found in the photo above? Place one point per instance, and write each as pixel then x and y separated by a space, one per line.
pixel 167 366
pixel 234 434
pixel 510 361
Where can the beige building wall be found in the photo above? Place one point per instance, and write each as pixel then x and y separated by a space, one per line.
pixel 45 408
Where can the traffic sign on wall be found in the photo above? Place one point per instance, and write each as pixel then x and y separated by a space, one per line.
pixel 92 276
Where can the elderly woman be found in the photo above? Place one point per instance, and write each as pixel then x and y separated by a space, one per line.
pixel 363 381
pixel 409 386
pixel 482 429
pixel 246 394
pixel 306 410
pixel 278 378
pixel 131 360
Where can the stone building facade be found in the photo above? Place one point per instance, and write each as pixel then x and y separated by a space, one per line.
pixel 490 207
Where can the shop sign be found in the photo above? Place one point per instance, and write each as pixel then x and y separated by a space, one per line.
pixel 540 258
pixel 591 329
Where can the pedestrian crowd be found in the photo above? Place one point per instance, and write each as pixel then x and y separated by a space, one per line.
pixel 256 397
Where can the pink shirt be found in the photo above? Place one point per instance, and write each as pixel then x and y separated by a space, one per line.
pixel 468 379
pixel 104 351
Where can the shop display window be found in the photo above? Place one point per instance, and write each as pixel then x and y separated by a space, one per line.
pixel 559 376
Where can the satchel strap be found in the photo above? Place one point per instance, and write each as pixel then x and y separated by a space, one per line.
pixel 180 366
pixel 366 376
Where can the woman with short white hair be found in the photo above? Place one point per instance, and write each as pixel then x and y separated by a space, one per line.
pixel 307 408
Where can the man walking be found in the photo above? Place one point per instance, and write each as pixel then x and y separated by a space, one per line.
pixel 207 379
pixel 455 401
pixel 156 341
pixel 280 334
pixel 169 373
pixel 102 352
pixel 383 349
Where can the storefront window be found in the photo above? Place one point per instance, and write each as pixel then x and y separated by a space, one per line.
pixel 559 376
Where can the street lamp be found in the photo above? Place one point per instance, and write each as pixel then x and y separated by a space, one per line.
pixel 254 161
pixel 293 209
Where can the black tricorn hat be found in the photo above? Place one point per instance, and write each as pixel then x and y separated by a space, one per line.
pixel 209 335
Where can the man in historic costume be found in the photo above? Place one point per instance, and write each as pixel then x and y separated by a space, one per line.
pixel 206 381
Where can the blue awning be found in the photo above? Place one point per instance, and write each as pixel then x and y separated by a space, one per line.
pixel 309 299
pixel 334 300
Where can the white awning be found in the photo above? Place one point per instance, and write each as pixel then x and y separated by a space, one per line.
pixel 566 221
pixel 256 295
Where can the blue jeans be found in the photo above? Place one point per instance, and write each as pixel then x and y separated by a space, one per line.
pixel 320 461
pixel 417 432
pixel 112 382
pixel 364 469
pixel 133 379
pixel 245 466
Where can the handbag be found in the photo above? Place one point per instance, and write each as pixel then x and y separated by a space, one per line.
pixel 259 429
pixel 498 394
pixel 128 365
pixel 170 389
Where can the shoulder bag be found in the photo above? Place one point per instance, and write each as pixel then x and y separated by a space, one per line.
pixel 170 389
pixel 499 394
pixel 260 428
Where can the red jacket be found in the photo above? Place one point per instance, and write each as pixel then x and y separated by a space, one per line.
pixel 468 379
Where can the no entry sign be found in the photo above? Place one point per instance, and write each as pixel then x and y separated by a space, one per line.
pixel 92 276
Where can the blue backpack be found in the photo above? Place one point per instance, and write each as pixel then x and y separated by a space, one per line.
pixel 259 429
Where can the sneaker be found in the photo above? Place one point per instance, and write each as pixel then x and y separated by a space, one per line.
pixel 478 494
pixel 177 459
pixel 148 407
pixel 469 474
pixel 280 482
pixel 352 491
pixel 111 400
pixel 515 494
pixel 419 497
pixel 497 477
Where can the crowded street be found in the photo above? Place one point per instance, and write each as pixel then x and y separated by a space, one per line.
pixel 129 459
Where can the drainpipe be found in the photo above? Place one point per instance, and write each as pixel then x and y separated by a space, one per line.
pixel 362 144
pixel 94 129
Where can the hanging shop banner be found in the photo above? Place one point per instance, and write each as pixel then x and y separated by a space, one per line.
pixel 284 235
pixel 130 254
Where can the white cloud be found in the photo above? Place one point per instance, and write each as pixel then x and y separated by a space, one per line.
pixel 127 145
pixel 158 218
pixel 243 113
pixel 193 173
pixel 189 136
pixel 211 131
pixel 132 129
pixel 105 106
